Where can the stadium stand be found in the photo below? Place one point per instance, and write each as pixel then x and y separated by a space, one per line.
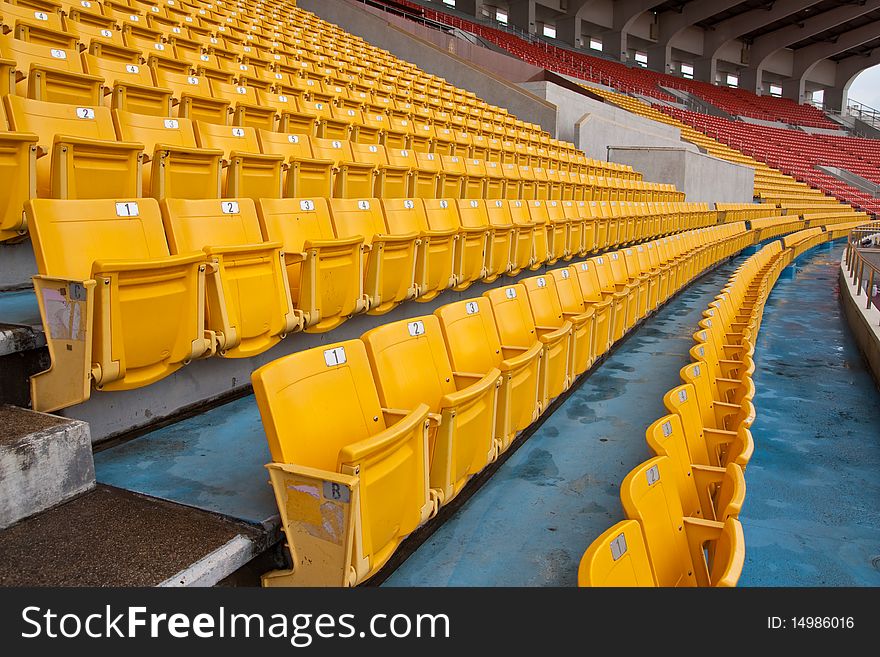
pixel 204 181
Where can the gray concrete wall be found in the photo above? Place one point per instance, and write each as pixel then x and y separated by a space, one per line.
pixel 377 30
pixel 17 265
pixel 703 178
pixel 44 460
pixel 864 322
pixel 593 125
pixel 204 381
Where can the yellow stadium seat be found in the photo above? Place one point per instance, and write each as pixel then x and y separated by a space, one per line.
pixel 623 298
pixel 325 273
pixel 248 298
pixel 435 255
pixel 502 249
pixel 583 315
pixel 350 477
pixel 119 311
pixel 191 94
pixel 305 176
pixel 246 171
pixel 51 74
pixel 351 178
pixel 426 176
pixel 707 445
pixel 474 238
pixel 78 156
pixel 18 165
pixel 172 163
pixel 391 181
pixel 517 330
pixel 635 287
pixel 617 557
pixel 678 545
pixel 714 414
pixel 389 260
pixel 41 25
pixel 474 349
pixel 245 104
pixel 710 492
pixel 648 281
pixel 453 176
pixel 129 86
pixel 461 436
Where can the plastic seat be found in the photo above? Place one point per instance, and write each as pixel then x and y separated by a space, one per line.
pixel 351 178
pixel 517 331
pixel 527 235
pixel 436 248
pixel 715 414
pixel 474 350
pixel 18 162
pixel 129 86
pixel 172 163
pixel 325 273
pixel 78 155
pixel 36 25
pixel 191 95
pixel 391 181
pixel 51 74
pixel 248 299
pixel 118 310
pixel 246 171
pixel 584 316
pixel 678 545
pixel 453 176
pixel 426 177
pixel 389 260
pixel 648 281
pixel 246 106
pixel 617 557
pixel 623 300
pixel 305 176
pixel 707 445
pixel 502 256
pixel 350 477
pixel 461 435
pixel 714 493
pixel 474 238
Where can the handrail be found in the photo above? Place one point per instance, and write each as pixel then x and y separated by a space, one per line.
pixel 856 262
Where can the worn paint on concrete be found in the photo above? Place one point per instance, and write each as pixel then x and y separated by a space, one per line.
pixel 530 523
pixel 812 511
pixel 19 307
pixel 213 461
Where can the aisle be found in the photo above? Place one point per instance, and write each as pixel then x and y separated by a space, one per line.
pixel 812 512
pixel 532 521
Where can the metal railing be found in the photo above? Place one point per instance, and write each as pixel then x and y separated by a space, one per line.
pixel 861 270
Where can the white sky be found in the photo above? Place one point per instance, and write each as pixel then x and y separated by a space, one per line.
pixel 866 87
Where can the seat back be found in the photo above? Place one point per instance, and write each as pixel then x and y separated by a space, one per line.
pixel 419 343
pixel 544 301
pixel 229 139
pixel 617 557
pixel 666 437
pixel 69 236
pixel 650 495
pixel 471 335
pixel 191 225
pixel 571 299
pixel 513 316
pixel 682 400
pixel 357 217
pixel 152 130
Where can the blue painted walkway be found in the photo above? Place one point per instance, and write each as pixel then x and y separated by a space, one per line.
pixel 531 522
pixel 812 512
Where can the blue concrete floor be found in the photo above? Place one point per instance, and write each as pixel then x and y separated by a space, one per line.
pixel 531 522
pixel 812 512
pixel 19 307
pixel 213 461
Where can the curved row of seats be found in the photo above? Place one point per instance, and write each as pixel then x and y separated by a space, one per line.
pixel 201 111
pixel 746 211
pixel 370 437
pixel 233 277
pixel 682 505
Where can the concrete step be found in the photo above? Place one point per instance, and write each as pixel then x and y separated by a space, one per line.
pixel 113 537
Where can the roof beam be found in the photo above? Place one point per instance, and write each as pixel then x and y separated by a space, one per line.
pixel 767 44
pixel 806 59
pixel 728 30
pixel 673 23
